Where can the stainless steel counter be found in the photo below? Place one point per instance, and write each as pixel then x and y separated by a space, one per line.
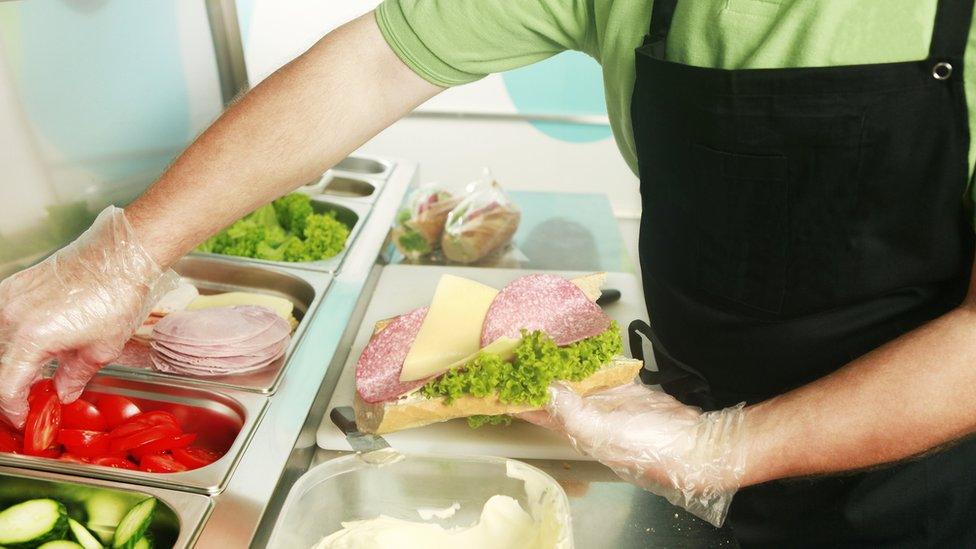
pixel 282 444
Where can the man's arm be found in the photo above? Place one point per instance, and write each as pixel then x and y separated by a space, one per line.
pixel 905 398
pixel 298 122
pixel 913 394
pixel 80 305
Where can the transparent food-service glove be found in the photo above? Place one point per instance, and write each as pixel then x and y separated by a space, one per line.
pixel 696 460
pixel 79 307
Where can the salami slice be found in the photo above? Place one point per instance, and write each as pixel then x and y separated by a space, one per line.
pixel 378 369
pixel 543 302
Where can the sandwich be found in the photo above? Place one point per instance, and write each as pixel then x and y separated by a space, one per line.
pixel 484 221
pixel 483 354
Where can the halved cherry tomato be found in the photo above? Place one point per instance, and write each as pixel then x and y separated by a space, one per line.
pixel 195 458
pixel 116 409
pixel 161 463
pixel 43 421
pixel 84 443
pixel 163 445
pixel 114 461
pixel 145 420
pixel 74 459
pixel 138 438
pixel 82 414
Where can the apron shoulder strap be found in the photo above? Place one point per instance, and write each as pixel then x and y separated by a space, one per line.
pixel 661 15
pixel 953 21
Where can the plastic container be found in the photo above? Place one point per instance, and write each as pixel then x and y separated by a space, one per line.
pixel 364 486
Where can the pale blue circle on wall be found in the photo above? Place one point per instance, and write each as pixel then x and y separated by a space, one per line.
pixel 569 83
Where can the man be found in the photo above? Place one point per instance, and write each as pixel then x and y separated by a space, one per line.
pixel 806 244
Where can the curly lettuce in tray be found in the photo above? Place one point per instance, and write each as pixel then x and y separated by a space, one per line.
pixel 285 230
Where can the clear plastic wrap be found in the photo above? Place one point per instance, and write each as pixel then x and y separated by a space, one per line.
pixel 78 306
pixel 482 222
pixel 696 460
pixel 420 222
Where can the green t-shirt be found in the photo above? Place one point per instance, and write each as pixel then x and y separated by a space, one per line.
pixel 451 42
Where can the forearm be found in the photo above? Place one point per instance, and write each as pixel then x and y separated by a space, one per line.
pixel 909 396
pixel 293 126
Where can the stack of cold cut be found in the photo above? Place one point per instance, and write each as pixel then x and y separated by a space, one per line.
pixel 219 341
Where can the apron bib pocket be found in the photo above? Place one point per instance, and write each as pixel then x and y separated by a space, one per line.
pixel 743 226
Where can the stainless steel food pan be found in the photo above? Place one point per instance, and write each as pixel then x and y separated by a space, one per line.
pixel 177 522
pixel 350 212
pixel 223 420
pixel 211 275
pixel 364 166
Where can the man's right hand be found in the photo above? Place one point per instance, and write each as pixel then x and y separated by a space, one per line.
pixel 78 306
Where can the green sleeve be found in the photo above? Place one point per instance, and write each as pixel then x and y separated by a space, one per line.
pixel 452 42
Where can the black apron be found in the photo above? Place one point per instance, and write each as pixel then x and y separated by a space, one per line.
pixel 793 220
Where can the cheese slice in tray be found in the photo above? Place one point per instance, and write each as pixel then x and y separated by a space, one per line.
pixel 451 330
pixel 281 306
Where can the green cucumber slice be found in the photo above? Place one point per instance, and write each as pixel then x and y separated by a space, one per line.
pixel 134 524
pixel 33 523
pixel 81 534
pixel 60 544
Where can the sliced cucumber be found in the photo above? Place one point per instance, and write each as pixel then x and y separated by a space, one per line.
pixel 104 533
pixel 81 534
pixel 134 524
pixel 144 542
pixel 60 544
pixel 106 509
pixel 33 523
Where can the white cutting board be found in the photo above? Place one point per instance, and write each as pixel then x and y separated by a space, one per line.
pixel 405 287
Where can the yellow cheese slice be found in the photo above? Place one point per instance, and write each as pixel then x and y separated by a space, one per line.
pixel 451 330
pixel 281 306
pixel 503 347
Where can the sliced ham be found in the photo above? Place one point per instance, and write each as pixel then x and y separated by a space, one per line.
pixel 224 325
pixel 543 302
pixel 219 341
pixel 378 369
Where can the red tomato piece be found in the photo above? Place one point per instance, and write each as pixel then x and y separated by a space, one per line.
pixel 84 443
pixel 74 459
pixel 54 452
pixel 195 458
pixel 114 461
pixel 138 438
pixel 10 442
pixel 145 420
pixel 161 463
pixel 116 409
pixel 43 422
pixel 163 445
pixel 40 389
pixel 82 414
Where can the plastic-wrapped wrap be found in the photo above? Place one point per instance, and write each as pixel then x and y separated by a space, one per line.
pixel 420 223
pixel 482 222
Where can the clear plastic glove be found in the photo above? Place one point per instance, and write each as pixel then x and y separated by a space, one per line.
pixel 78 306
pixel 696 460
